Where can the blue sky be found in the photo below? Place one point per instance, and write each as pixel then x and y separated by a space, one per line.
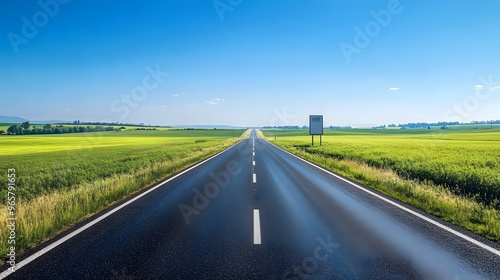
pixel 250 63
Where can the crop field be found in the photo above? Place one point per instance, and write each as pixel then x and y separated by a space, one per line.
pixel 459 164
pixel 47 162
pixel 467 162
pixel 63 178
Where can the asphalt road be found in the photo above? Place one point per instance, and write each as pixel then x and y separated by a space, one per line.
pixel 257 212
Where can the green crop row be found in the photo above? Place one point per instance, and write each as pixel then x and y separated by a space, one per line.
pixel 454 175
pixel 61 179
pixel 468 163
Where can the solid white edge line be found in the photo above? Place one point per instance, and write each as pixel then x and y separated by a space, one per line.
pixel 254 178
pixel 256 227
pixel 104 216
pixel 450 230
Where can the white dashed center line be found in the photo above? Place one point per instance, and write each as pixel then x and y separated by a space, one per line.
pixel 256 227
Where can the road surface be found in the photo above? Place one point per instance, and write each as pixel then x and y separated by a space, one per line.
pixel 257 212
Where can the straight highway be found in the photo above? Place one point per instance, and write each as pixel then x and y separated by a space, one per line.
pixel 255 211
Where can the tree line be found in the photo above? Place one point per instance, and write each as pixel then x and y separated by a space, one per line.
pixel 26 129
pixel 443 125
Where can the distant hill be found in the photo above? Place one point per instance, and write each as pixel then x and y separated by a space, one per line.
pixel 7 119
pixel 49 121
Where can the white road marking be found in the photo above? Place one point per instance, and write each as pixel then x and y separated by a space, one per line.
pixel 253 153
pixel 97 220
pixel 254 163
pixel 254 178
pixel 448 229
pixel 256 227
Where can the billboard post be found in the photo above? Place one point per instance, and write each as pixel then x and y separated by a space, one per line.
pixel 316 127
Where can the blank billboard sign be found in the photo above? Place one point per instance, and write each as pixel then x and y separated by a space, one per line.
pixel 316 124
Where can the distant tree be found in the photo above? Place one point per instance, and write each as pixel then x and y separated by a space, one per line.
pixel 36 130
pixel 19 130
pixel 428 127
pixel 61 129
pixel 2 131
pixel 12 129
pixel 25 125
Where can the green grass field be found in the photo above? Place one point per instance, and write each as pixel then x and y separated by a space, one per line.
pixel 454 174
pixel 63 178
pixel 48 162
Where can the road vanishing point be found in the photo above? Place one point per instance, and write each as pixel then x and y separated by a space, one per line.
pixel 255 211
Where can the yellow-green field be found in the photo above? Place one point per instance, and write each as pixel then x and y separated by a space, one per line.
pixel 29 144
pixel 63 178
pixel 453 174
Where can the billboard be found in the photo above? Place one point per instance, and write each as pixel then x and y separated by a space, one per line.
pixel 316 124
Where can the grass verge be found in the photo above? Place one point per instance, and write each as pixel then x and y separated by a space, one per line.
pixel 46 215
pixel 433 199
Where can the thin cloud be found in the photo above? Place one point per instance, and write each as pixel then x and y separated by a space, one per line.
pixel 482 87
pixel 178 94
pixel 393 89
pixel 215 101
